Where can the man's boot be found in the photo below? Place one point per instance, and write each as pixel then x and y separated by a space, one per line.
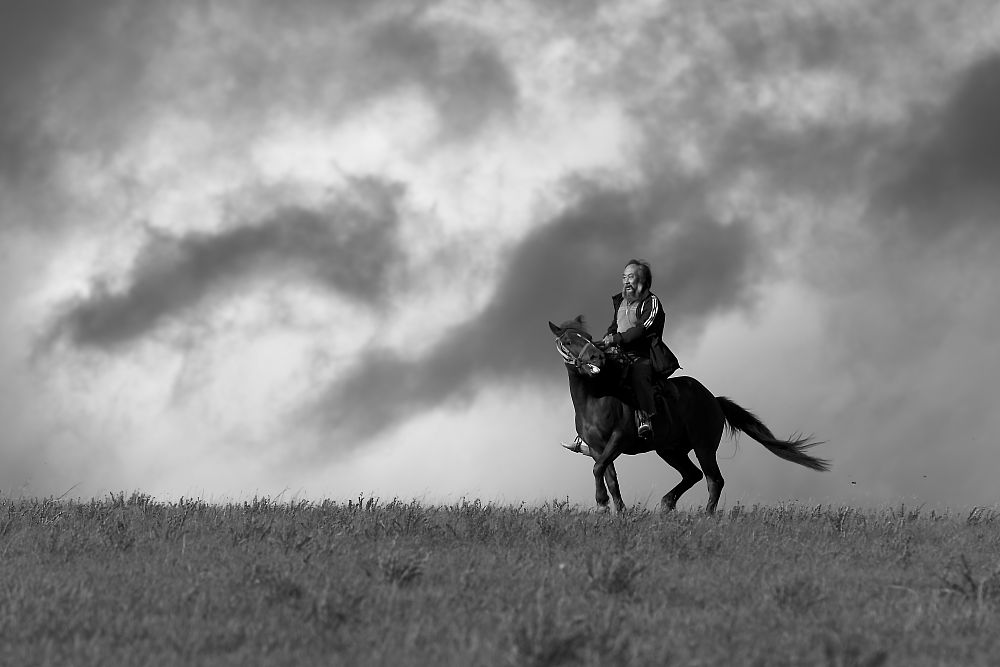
pixel 645 422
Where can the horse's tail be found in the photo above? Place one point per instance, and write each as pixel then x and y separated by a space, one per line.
pixel 794 450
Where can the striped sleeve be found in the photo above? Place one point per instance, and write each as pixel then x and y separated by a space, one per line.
pixel 654 310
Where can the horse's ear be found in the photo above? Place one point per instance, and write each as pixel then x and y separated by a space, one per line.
pixel 555 330
pixel 579 318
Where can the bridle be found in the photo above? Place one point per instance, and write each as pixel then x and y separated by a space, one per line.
pixel 576 360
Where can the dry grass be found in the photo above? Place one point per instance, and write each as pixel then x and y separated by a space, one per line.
pixel 129 580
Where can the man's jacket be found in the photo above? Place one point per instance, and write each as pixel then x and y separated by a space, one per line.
pixel 645 337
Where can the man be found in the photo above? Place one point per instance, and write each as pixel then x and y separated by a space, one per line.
pixel 637 328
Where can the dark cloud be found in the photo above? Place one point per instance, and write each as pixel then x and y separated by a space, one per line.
pixel 464 76
pixel 474 92
pixel 809 40
pixel 906 291
pixel 822 159
pixel 85 61
pixel 566 266
pixel 343 246
pixel 947 170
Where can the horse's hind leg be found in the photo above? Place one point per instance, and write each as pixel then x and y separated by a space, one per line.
pixel 690 475
pixel 713 476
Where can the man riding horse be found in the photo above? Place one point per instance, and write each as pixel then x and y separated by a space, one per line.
pixel 605 428
pixel 637 329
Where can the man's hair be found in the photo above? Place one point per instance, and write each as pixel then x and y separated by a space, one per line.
pixel 644 273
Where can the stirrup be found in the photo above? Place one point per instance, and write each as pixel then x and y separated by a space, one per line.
pixel 645 424
pixel 578 446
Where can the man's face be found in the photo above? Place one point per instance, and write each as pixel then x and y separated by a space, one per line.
pixel 631 286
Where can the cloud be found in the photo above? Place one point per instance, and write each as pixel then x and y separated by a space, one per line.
pixel 330 62
pixel 565 266
pixel 815 145
pixel 463 74
pixel 949 165
pixel 904 282
pixel 93 80
pixel 69 61
pixel 342 246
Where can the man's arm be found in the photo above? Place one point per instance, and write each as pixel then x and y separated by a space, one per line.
pixel 648 312
pixel 609 337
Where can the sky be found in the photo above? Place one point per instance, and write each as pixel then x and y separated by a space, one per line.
pixel 310 249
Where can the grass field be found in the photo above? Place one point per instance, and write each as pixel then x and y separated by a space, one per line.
pixel 132 581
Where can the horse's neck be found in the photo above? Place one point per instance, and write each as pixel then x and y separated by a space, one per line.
pixel 590 397
pixel 585 390
pixel 578 393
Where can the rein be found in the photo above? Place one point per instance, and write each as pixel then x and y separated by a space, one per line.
pixel 571 359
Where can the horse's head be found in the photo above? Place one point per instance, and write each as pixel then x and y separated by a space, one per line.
pixel 577 348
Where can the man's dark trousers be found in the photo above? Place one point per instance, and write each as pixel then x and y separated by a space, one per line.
pixel 641 378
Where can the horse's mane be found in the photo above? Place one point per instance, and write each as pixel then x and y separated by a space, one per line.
pixel 577 324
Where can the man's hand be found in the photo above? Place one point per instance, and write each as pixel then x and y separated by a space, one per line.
pixel 608 341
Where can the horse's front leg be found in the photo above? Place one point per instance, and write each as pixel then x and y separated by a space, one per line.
pixel 603 463
pixel 611 479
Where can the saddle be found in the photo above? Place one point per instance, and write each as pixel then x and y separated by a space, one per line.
pixel 665 391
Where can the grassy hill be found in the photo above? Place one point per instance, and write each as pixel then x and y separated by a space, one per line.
pixel 129 580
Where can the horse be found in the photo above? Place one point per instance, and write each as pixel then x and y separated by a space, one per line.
pixel 605 422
